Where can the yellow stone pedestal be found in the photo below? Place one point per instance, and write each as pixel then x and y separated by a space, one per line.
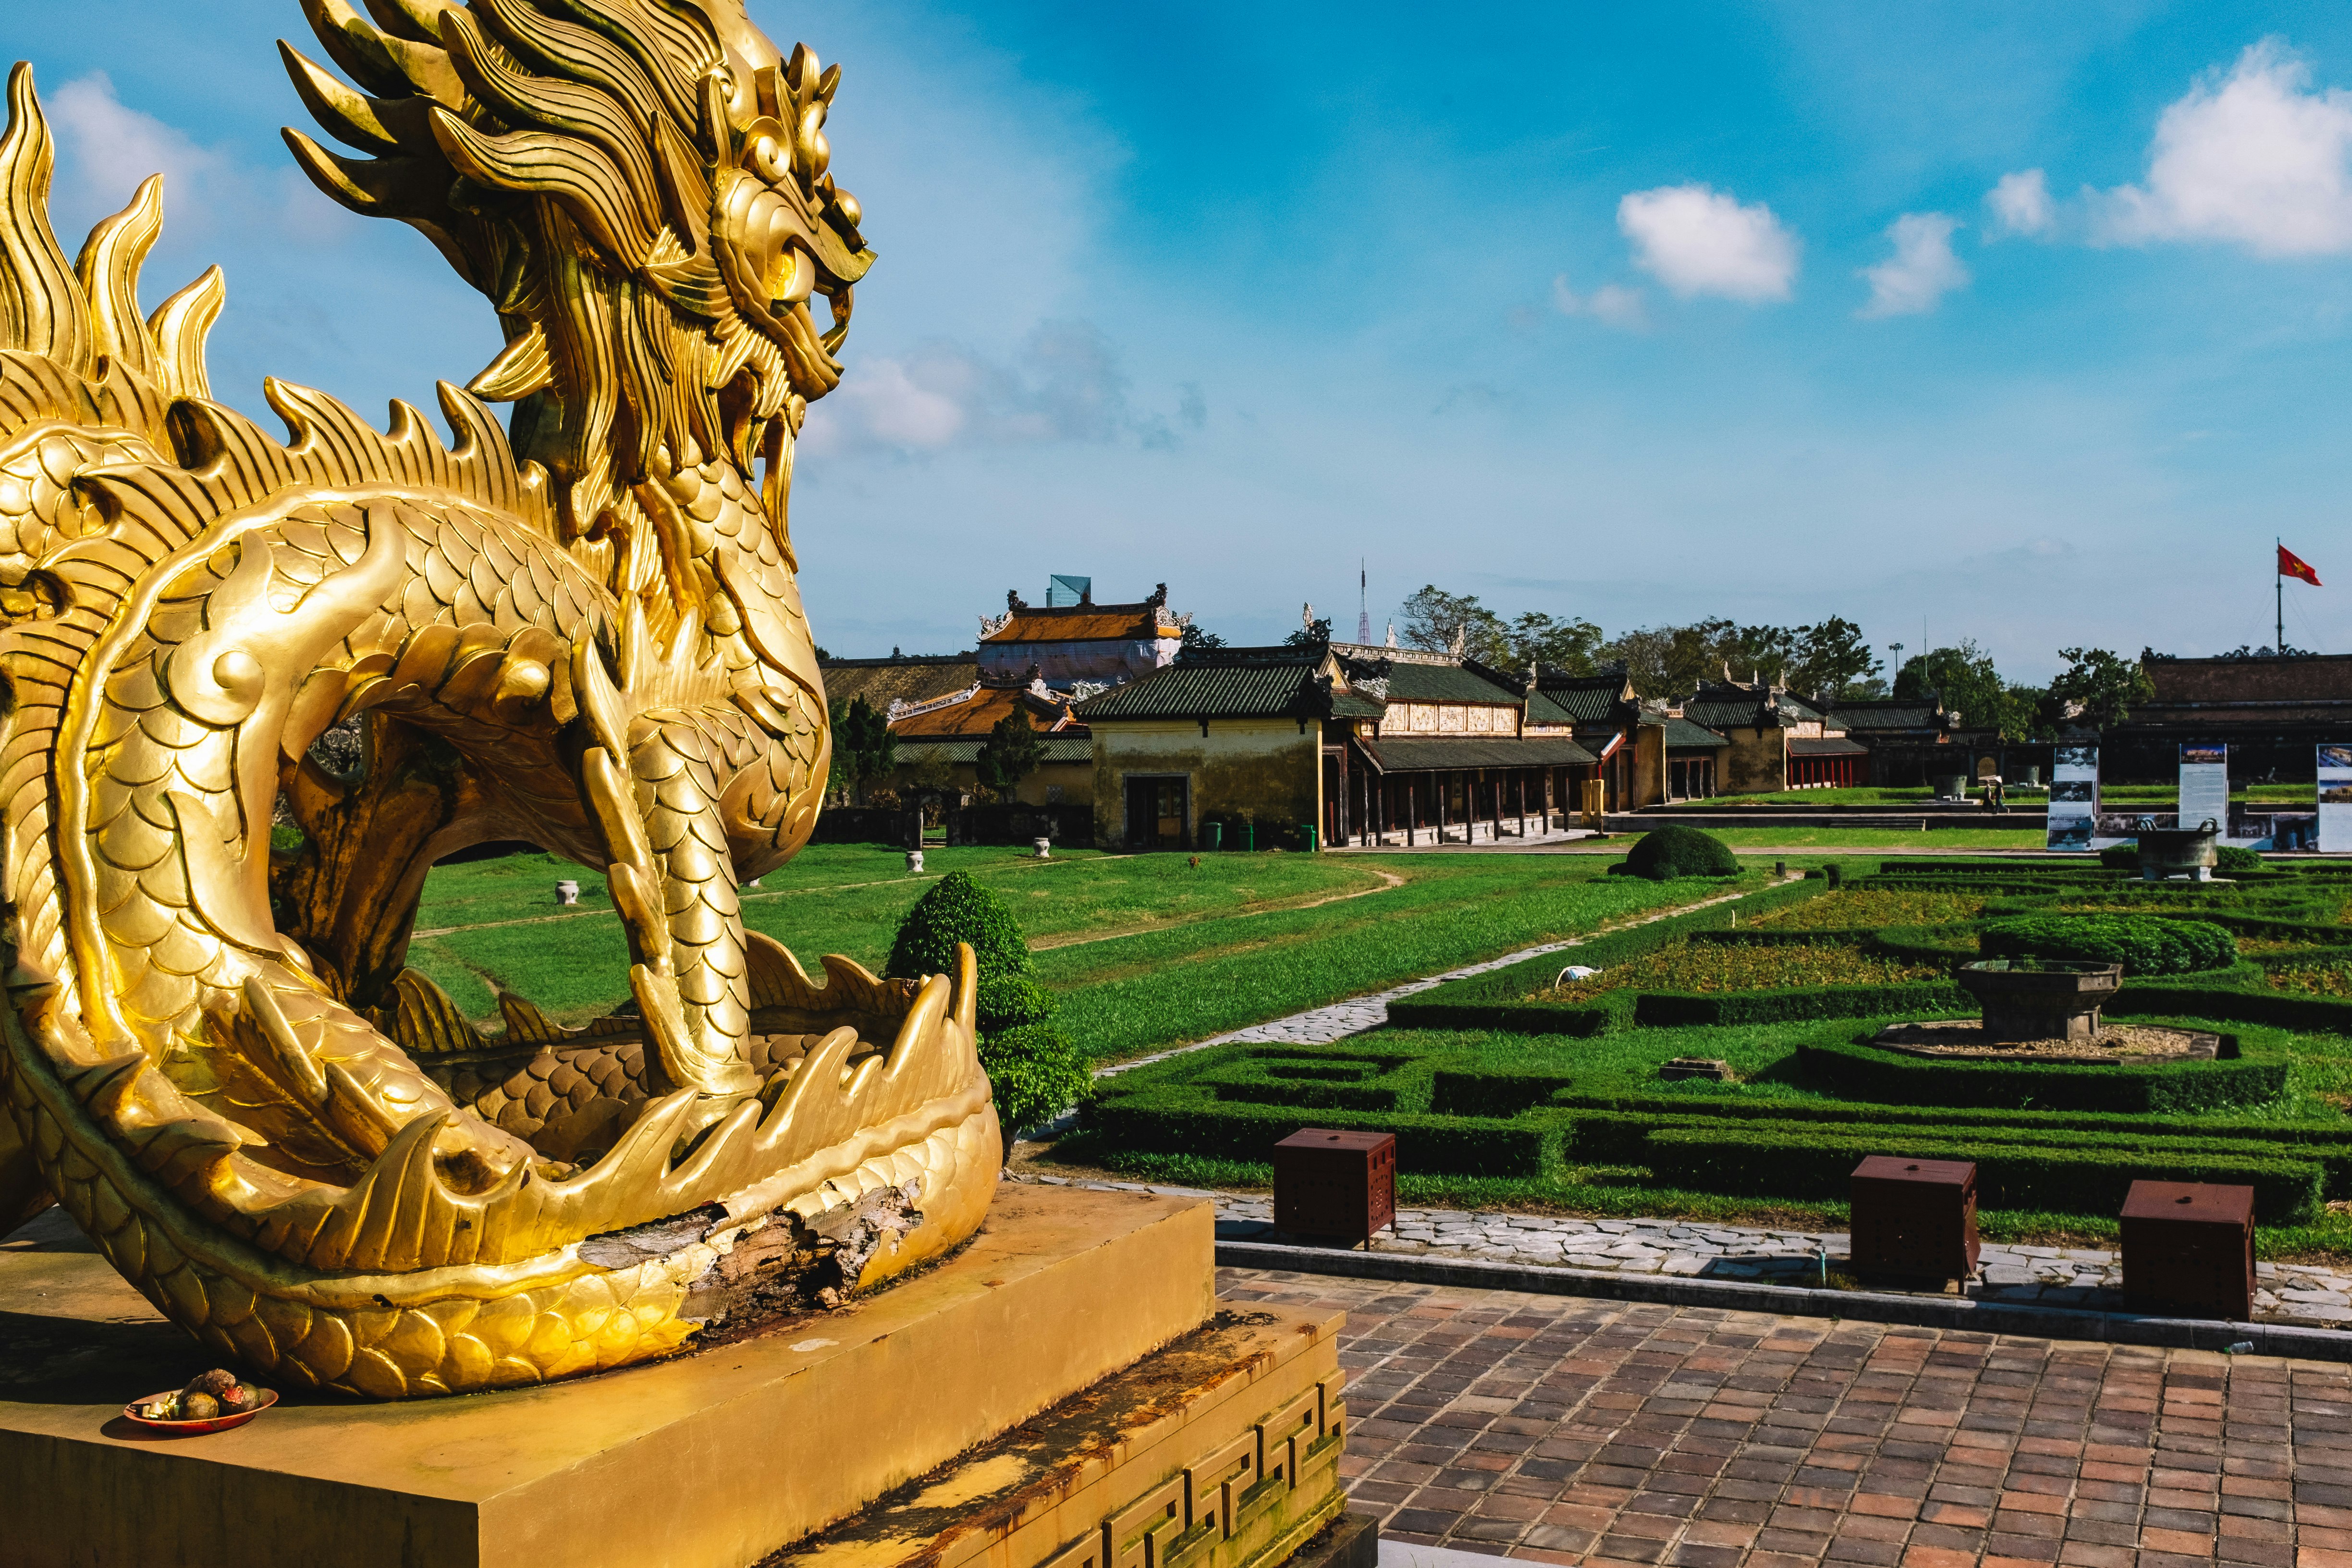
pixel 1061 1390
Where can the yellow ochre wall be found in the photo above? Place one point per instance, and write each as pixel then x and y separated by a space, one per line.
pixel 1756 763
pixel 1269 769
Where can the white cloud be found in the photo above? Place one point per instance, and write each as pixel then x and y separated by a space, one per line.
pixel 2021 203
pixel 1697 240
pixel 2254 158
pixel 1066 385
pixel 1612 304
pixel 1922 270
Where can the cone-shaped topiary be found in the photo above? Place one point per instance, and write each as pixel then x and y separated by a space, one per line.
pixel 1033 1070
pixel 1679 851
pixel 958 910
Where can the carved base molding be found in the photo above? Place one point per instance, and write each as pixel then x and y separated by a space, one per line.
pixel 1220 1451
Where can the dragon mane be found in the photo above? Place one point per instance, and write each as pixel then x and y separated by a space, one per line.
pixel 640 188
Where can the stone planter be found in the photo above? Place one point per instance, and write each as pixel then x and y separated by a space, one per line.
pixel 2190 852
pixel 1951 786
pixel 567 892
pixel 2040 999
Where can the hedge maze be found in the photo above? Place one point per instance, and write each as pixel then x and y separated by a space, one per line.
pixel 1551 1091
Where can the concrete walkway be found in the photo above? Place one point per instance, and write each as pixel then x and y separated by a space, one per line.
pixel 2090 1279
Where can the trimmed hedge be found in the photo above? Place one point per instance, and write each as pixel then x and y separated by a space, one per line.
pixel 1669 1009
pixel 1497 999
pixel 1858 1071
pixel 1616 1138
pixel 1166 1122
pixel 1819 1164
pixel 2143 944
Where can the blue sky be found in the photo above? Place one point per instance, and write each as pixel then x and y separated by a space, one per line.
pixel 2026 323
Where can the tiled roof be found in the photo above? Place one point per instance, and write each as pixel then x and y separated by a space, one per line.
pixel 1444 683
pixel 1587 699
pixel 1906 715
pixel 1072 745
pixel 1735 707
pixel 1221 683
pixel 1721 714
pixel 1683 732
pixel 1396 756
pixel 1826 746
pixel 882 681
pixel 979 715
pixel 1086 622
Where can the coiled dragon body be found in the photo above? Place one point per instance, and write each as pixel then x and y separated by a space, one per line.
pixel 584 632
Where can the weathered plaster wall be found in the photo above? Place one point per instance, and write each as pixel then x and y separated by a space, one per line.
pixel 1756 762
pixel 1270 770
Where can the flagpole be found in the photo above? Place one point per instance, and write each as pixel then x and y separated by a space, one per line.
pixel 2278 586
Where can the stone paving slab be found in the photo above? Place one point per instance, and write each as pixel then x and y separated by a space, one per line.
pixel 1566 1430
pixel 2088 1278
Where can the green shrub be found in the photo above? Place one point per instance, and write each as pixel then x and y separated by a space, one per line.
pixel 1678 851
pixel 1671 1009
pixel 2230 858
pixel 1033 1070
pixel 2124 857
pixel 2143 944
pixel 1010 1001
pixel 958 909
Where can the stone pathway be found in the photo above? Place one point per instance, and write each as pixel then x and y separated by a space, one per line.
pixel 1560 1429
pixel 2092 1280
pixel 1322 1026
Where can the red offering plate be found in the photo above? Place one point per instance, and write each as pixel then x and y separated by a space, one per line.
pixel 195 1428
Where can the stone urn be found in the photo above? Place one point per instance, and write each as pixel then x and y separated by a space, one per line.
pixel 1951 786
pixel 2190 852
pixel 1044 846
pixel 567 892
pixel 2040 998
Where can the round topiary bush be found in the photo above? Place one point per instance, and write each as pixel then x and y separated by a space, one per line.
pixel 1679 851
pixel 2124 857
pixel 958 910
pixel 2230 858
pixel 2143 944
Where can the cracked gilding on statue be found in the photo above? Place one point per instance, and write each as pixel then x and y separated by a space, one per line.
pixel 584 632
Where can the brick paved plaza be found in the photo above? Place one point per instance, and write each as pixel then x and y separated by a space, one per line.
pixel 1570 1430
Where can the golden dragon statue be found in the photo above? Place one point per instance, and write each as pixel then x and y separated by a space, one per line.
pixel 582 630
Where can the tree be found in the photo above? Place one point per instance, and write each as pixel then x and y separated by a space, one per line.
pixel 864 743
pixel 1536 638
pixel 2099 685
pixel 1455 623
pixel 1832 660
pixel 1010 753
pixel 1674 660
pixel 1197 639
pixel 1964 677
pixel 1312 634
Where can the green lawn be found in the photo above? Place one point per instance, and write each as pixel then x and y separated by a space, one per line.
pixel 2248 794
pixel 1146 951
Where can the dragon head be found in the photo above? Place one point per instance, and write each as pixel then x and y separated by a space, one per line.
pixel 639 186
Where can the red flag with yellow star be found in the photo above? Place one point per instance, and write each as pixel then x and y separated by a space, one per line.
pixel 2294 565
